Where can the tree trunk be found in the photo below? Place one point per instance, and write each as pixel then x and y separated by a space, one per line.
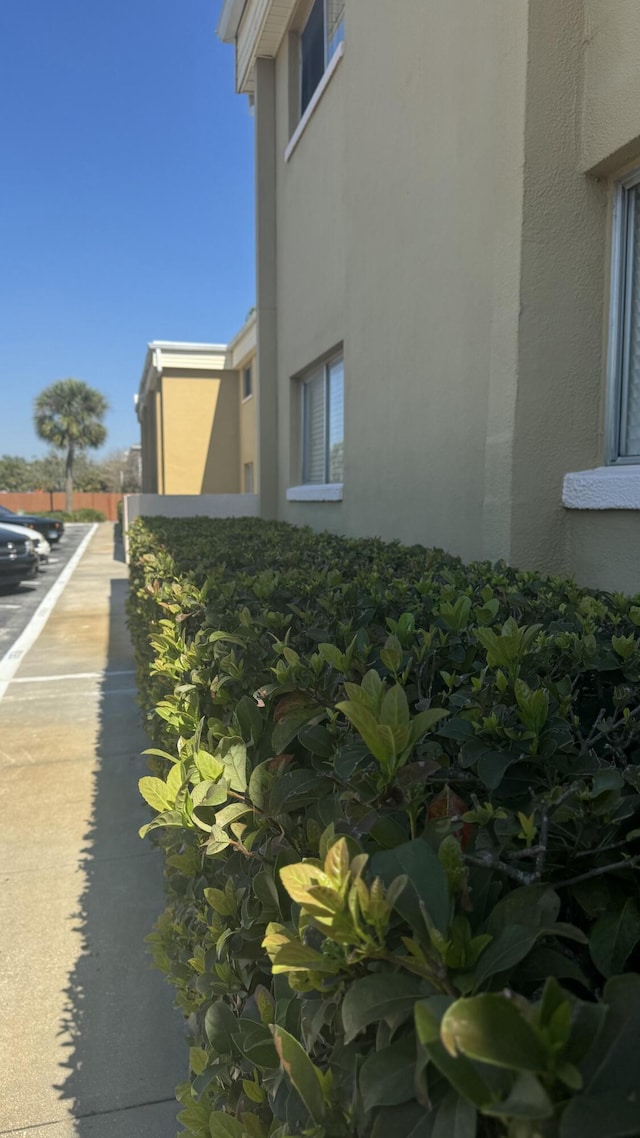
pixel 69 479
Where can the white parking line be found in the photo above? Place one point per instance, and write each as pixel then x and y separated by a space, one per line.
pixel 10 663
pixel 72 676
pixel 85 695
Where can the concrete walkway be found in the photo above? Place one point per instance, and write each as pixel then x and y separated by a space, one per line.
pixel 90 1046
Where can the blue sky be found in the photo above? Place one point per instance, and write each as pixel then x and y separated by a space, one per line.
pixel 126 197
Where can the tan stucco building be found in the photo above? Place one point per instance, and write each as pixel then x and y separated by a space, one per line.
pixel 197 411
pixel 448 253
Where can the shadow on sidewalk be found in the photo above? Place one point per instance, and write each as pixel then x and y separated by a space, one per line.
pixel 125 1042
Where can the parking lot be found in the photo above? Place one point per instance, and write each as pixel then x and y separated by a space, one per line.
pixel 17 607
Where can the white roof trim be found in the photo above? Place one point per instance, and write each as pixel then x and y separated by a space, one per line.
pixel 229 21
pixel 185 346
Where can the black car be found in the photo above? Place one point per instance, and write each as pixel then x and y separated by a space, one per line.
pixel 18 558
pixel 51 528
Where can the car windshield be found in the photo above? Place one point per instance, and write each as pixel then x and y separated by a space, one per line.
pixel 6 513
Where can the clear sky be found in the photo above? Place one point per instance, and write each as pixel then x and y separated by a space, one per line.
pixel 126 197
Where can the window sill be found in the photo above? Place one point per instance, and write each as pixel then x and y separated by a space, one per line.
pixel 315 99
pixel 605 488
pixel 246 398
pixel 316 492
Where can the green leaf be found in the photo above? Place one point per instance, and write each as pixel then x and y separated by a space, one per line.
pixel 492 1029
pixel 156 793
pixel 249 719
pixel 382 996
pixel 425 721
pixel 234 763
pixel 287 729
pixel 426 889
pixel 527 1099
pixel 508 949
pixel 531 906
pixel 542 962
pixel 366 725
pixel 614 936
pixel 298 957
pixel 224 1126
pixel 232 812
pixel 455 1118
pixel 410 1120
pixel 207 765
pixel 219 1024
pixel 612 1064
pixel 255 1042
pixel 493 766
pixel 296 788
pixel 459 1071
pixel 162 754
pixel 391 654
pixel 395 708
pixel 318 741
pixel 303 1075
pixel 387 1077
pixel 607 1115
pixel 167 818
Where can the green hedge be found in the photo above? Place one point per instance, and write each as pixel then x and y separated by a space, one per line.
pixel 83 514
pixel 398 798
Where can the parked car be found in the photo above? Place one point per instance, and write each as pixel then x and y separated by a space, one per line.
pixel 18 558
pixel 51 528
pixel 43 549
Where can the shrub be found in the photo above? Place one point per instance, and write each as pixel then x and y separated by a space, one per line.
pixel 87 514
pixel 59 515
pixel 398 798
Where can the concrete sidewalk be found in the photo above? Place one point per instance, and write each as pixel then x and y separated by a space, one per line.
pixel 90 1046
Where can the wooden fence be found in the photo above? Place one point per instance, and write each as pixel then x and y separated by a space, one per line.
pixel 36 501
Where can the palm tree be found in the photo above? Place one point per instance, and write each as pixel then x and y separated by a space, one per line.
pixel 69 415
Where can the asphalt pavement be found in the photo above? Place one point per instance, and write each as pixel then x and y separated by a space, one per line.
pixel 90 1046
pixel 18 606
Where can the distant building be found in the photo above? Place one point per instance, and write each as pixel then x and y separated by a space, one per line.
pixel 196 407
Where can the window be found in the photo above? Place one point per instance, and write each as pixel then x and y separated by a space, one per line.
pixel 624 405
pixel 248 478
pixel 247 382
pixel 323 424
pixel 319 39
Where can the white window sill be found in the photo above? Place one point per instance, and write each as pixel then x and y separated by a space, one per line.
pixel 246 398
pixel 605 488
pixel 316 492
pixel 315 99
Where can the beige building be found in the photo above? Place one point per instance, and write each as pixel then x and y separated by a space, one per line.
pixel 448 252
pixel 197 411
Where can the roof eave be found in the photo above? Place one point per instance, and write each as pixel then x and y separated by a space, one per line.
pixel 229 21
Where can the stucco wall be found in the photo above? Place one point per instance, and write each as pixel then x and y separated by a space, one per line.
pixel 201 434
pixel 310 249
pixel 559 416
pixel 398 230
pixel 603 548
pixel 610 123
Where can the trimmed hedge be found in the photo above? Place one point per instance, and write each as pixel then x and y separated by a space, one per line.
pixel 398 798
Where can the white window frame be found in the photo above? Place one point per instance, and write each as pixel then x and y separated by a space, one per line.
pixel 318 491
pixel 331 61
pixel 620 320
pixel 328 52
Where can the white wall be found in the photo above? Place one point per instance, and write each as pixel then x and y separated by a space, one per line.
pixel 187 506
